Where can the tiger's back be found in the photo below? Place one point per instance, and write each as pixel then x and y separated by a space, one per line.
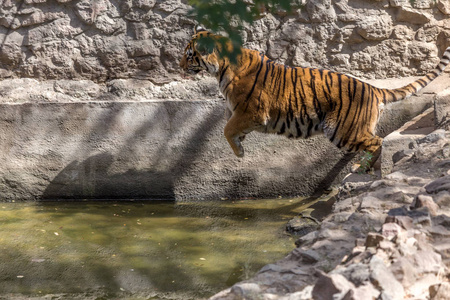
pixel 264 96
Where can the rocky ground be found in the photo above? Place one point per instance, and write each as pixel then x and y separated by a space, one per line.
pixel 386 238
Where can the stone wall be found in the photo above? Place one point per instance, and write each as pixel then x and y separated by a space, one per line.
pixel 109 39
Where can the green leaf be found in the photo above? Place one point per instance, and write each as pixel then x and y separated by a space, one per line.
pixel 229 16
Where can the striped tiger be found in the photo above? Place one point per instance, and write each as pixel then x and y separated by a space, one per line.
pixel 265 96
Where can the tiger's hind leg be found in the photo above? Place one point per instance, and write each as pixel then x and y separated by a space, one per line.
pixel 371 145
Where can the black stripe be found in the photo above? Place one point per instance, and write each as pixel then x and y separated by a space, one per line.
pixel 256 78
pixel 279 83
pixel 310 126
pixel 223 73
pixel 302 89
pixel 339 76
pixel 294 85
pixel 368 112
pixel 384 96
pixel 429 77
pixel 394 97
pixel 297 126
pixel 316 102
pixel 350 102
pixel 356 117
pixel 421 82
pixel 249 64
pixel 290 113
pixel 303 112
pixel 278 118
pixel 282 129
pixel 321 74
pixel 273 69
pixel 328 98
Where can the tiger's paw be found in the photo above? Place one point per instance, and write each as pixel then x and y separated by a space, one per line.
pixel 240 153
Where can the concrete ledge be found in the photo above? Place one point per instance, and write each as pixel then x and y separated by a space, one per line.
pixel 394 144
pixel 442 109
pixel 156 150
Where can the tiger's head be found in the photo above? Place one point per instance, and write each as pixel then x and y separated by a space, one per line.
pixel 198 56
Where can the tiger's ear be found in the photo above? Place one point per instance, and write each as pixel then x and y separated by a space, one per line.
pixel 198 28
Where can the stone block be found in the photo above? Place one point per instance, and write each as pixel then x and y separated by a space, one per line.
pixel 414 16
pixel 330 286
pixel 444 6
pixel 384 280
pixel 442 109
pixel 399 140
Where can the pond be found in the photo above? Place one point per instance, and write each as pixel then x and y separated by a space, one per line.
pixel 138 250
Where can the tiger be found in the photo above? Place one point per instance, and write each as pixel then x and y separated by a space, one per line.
pixel 265 96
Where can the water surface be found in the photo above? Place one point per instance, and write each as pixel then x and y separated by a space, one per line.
pixel 137 250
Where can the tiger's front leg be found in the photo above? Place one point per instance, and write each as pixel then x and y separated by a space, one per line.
pixel 235 131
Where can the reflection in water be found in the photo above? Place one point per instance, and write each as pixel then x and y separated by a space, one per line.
pixel 136 250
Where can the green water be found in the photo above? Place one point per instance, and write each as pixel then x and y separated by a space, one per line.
pixel 135 250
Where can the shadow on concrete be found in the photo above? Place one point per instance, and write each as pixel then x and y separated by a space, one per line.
pixel 89 179
pixel 92 179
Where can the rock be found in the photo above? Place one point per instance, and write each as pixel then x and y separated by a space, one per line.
pixel 307 239
pixel 423 4
pixel 373 239
pixel 305 294
pixel 433 137
pixel 384 280
pixel 357 273
pixel 404 271
pixel 427 201
pixel 399 3
pixel 391 230
pixel 419 216
pixel 246 290
pixel 444 6
pixel 439 231
pixel 442 220
pixel 442 109
pixel 320 11
pixel 331 286
pixel 440 184
pixel 375 28
pixel 308 256
pixel 301 226
pixel 404 221
pixel 427 261
pixel 365 291
pixel 414 16
pixel 440 291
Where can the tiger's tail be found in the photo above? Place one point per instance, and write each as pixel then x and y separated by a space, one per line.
pixel 393 95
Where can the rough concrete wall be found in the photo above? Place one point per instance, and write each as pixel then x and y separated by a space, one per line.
pixel 148 150
pixel 107 39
